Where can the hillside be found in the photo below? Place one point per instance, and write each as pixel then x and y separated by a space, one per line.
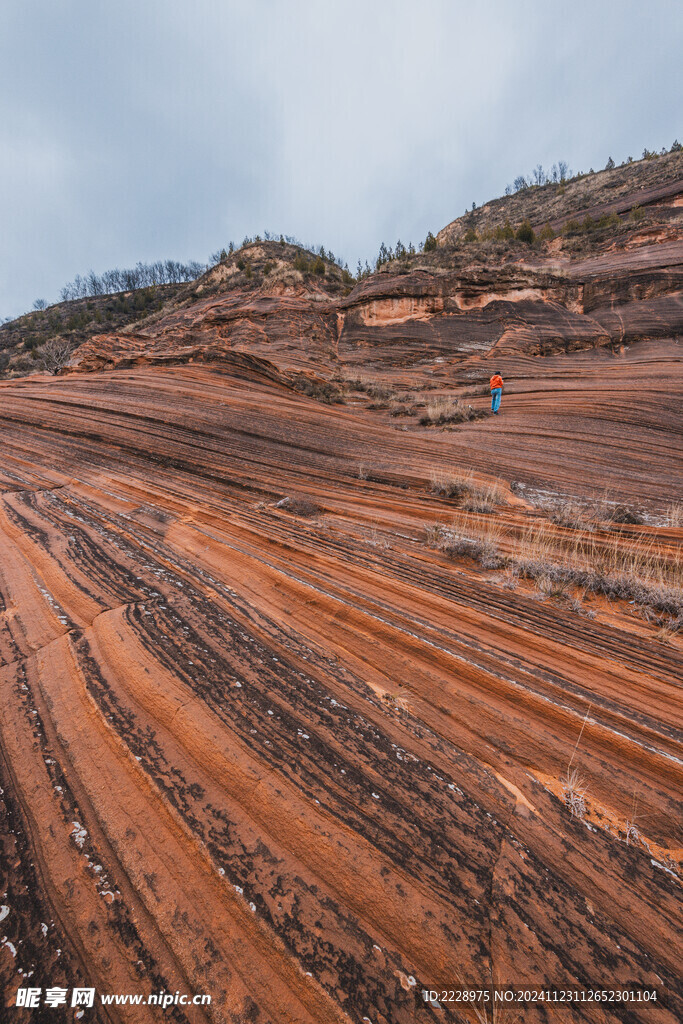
pixel 643 183
pixel 612 211
pixel 601 283
pixel 22 339
pixel 271 266
pixel 321 686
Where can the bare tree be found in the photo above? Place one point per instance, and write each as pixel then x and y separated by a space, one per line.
pixel 55 355
pixel 40 304
pixel 538 175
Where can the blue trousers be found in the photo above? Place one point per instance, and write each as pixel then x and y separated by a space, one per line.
pixel 495 399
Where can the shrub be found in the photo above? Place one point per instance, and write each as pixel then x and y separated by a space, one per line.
pixel 525 233
pixel 609 220
pixel 55 355
pixel 470 236
pixel 322 390
pixel 456 486
pixel 299 506
pixel 546 234
pixel 504 232
pixel 624 514
pixel 319 266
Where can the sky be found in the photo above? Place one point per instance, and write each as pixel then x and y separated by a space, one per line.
pixel 155 129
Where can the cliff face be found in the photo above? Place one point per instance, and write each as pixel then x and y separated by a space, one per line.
pixel 405 319
pixel 606 283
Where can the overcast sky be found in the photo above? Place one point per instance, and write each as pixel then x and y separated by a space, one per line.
pixel 147 129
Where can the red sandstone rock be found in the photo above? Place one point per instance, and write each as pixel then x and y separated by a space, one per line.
pixel 309 764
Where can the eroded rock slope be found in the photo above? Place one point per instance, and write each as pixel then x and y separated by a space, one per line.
pixel 260 736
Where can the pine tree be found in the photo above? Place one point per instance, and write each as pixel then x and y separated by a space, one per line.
pixel 525 232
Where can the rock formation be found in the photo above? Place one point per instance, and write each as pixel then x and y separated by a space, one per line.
pixel 260 737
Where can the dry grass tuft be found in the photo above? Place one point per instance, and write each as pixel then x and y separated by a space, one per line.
pixel 669 630
pixel 674 514
pixel 378 540
pixel 474 496
pixel 454 485
pixel 625 514
pixel 434 533
pixel 459 540
pixel 369 387
pixel 484 499
pixel 574 791
pixel 574 514
pixel 482 391
pixel 549 587
pixel 509 579
pixel 448 410
pixel 648 574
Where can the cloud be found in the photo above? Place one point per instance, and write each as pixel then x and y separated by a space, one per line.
pixel 139 131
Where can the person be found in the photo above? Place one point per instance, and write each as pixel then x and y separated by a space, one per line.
pixel 496 392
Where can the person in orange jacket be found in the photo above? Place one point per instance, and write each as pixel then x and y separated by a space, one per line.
pixel 496 392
